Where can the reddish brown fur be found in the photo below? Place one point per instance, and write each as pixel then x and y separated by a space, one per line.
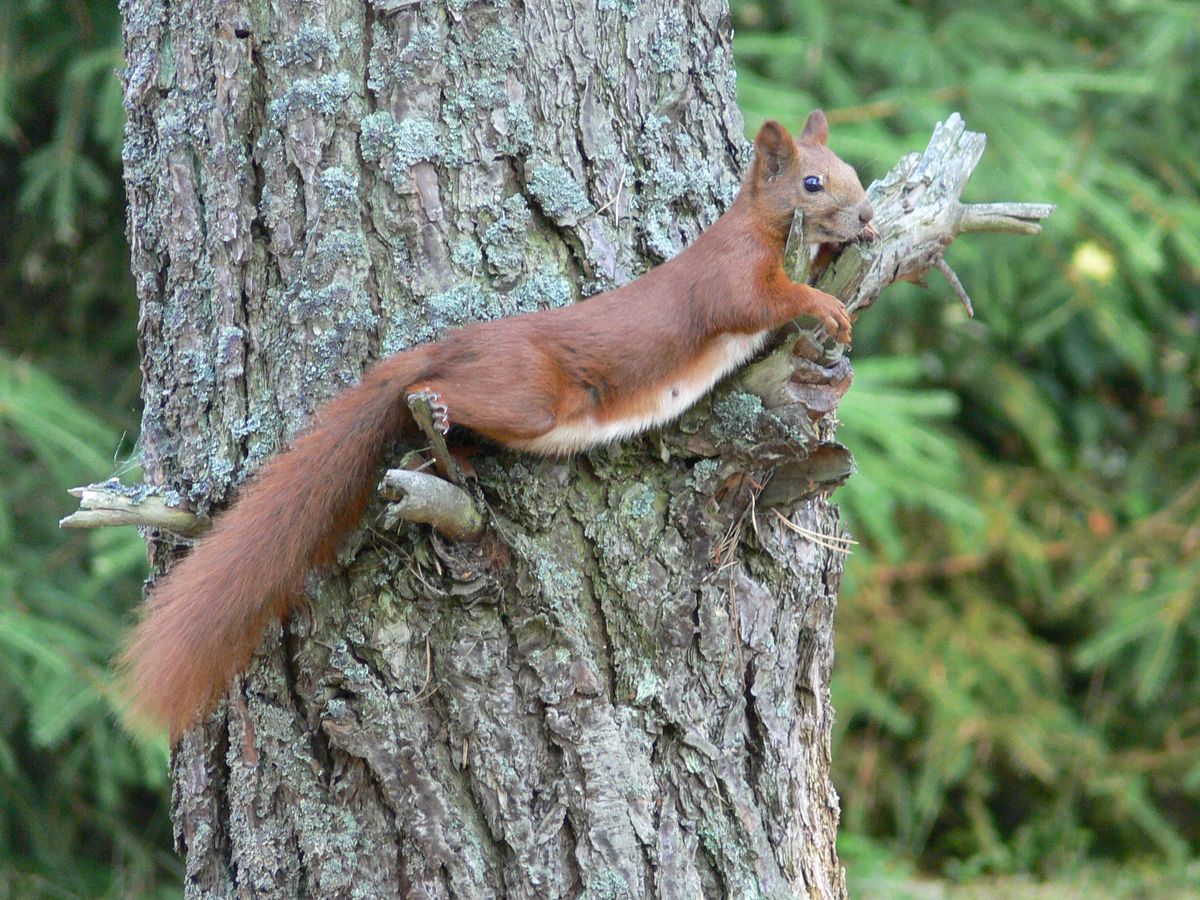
pixel 586 366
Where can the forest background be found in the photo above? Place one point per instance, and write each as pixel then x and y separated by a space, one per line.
pixel 1017 682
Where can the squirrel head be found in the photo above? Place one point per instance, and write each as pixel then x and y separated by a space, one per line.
pixel 788 175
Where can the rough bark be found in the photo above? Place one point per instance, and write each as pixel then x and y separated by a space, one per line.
pixel 622 690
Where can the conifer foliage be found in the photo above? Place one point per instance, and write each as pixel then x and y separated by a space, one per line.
pixel 1017 682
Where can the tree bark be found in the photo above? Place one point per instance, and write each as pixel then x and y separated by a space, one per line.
pixel 623 688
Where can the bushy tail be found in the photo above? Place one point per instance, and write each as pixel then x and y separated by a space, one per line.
pixel 206 617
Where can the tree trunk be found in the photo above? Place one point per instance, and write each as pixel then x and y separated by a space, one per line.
pixel 623 689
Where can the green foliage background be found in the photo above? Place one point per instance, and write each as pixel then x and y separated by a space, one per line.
pixel 83 806
pixel 1017 682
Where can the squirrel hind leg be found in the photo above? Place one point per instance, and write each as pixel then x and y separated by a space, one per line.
pixel 506 415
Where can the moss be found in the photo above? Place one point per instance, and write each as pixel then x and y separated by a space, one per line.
pixel 558 193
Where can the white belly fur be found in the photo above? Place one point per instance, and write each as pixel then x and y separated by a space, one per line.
pixel 672 401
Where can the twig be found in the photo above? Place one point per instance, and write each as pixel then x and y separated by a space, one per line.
pixel 833 542
pixel 421 694
pixel 942 266
pixel 918 214
pixel 422 412
pixel 1010 218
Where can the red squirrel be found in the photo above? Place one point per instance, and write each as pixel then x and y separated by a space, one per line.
pixel 550 382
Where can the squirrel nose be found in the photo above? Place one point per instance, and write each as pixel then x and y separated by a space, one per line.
pixel 866 213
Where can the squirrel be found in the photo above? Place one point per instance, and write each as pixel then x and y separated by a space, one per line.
pixel 550 382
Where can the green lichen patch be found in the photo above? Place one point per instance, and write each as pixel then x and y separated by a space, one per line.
pixel 466 254
pixel 702 475
pixel 737 416
pixel 497 46
pixel 516 129
pixel 309 46
pixel 338 247
pixel 396 146
pixel 676 173
pixel 326 95
pixel 666 47
pixel 466 302
pixel 340 188
pixel 627 8
pixel 545 288
pixel 559 194
pixel 505 240
pixel 640 504
pixel 559 583
pixel 532 492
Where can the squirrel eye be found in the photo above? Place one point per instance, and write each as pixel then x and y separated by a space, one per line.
pixel 812 184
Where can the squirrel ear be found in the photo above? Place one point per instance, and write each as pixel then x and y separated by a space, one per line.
pixel 816 129
pixel 774 149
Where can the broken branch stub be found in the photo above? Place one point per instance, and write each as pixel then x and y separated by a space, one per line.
pixel 918 214
pixel 420 497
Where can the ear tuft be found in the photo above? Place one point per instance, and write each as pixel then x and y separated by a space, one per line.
pixel 774 149
pixel 816 129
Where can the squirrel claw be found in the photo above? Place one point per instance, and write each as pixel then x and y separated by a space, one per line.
pixel 437 406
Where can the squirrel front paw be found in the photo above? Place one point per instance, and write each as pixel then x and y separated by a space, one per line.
pixel 831 313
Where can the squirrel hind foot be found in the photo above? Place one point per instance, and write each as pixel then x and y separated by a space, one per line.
pixel 441 412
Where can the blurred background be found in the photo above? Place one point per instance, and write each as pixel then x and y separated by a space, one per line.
pixel 1017 680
